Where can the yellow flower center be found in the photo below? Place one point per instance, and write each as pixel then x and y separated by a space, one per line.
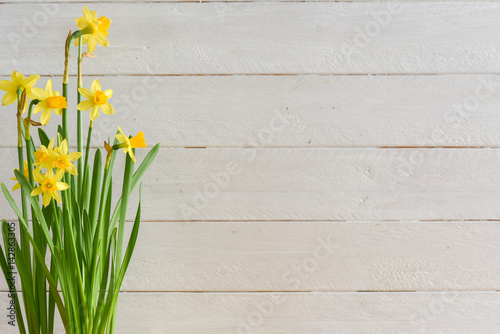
pixel 100 98
pixel 41 156
pixel 49 185
pixel 138 141
pixel 104 26
pixel 62 162
pixel 57 102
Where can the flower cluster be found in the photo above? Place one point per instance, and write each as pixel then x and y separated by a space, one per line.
pixel 77 231
pixel 57 160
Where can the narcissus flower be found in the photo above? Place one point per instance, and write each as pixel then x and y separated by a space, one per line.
pixel 49 100
pixel 97 99
pixel 43 157
pixel 18 82
pixel 49 186
pixel 26 174
pixel 93 29
pixel 62 160
pixel 129 143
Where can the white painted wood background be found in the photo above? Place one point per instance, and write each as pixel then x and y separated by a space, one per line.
pixel 361 141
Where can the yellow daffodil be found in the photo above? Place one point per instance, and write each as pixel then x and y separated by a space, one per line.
pixel 26 174
pixel 49 100
pixel 43 157
pixel 49 186
pixel 129 143
pixel 97 99
pixel 18 82
pixel 93 29
pixel 62 160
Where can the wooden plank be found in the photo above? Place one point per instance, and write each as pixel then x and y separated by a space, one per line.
pixel 294 111
pixel 314 256
pixel 308 256
pixel 313 184
pixel 297 313
pixel 189 1
pixel 262 38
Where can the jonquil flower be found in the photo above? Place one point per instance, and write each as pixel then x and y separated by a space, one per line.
pixel 62 160
pixel 93 29
pixel 18 82
pixel 49 186
pixel 26 174
pixel 129 143
pixel 49 100
pixel 97 99
pixel 43 157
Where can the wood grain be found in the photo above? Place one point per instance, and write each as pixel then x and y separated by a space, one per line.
pixel 314 256
pixel 262 38
pixel 314 184
pixel 373 210
pixel 294 111
pixel 297 313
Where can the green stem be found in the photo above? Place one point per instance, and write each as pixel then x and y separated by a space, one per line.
pixel 79 117
pixel 127 179
pixel 84 194
pixel 20 156
pixel 25 256
pixel 65 84
pixel 87 148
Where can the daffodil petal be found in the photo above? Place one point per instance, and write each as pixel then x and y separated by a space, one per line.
pixel 45 117
pixel 7 85
pixel 91 44
pixel 37 191
pixel 86 14
pixel 96 85
pixel 86 93
pixel 62 185
pixel 56 196
pixel 38 177
pixel 81 23
pixel 72 170
pixel 31 80
pixel 48 86
pixel 59 175
pixel 9 98
pixel 108 93
pixel 17 78
pixel 94 113
pixel 17 186
pixel 46 198
pixel 107 108
pixel 131 153
pixel 101 39
pixel 39 93
pixel 63 147
pixel 84 105
pixel 122 138
pixel 39 107
pixel 74 156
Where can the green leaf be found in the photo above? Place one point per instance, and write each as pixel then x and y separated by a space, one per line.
pixel 44 139
pixel 6 271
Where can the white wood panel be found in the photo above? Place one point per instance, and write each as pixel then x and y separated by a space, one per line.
pixel 305 111
pixel 315 184
pixel 228 38
pixel 298 313
pixel 314 256
pixel 53 2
